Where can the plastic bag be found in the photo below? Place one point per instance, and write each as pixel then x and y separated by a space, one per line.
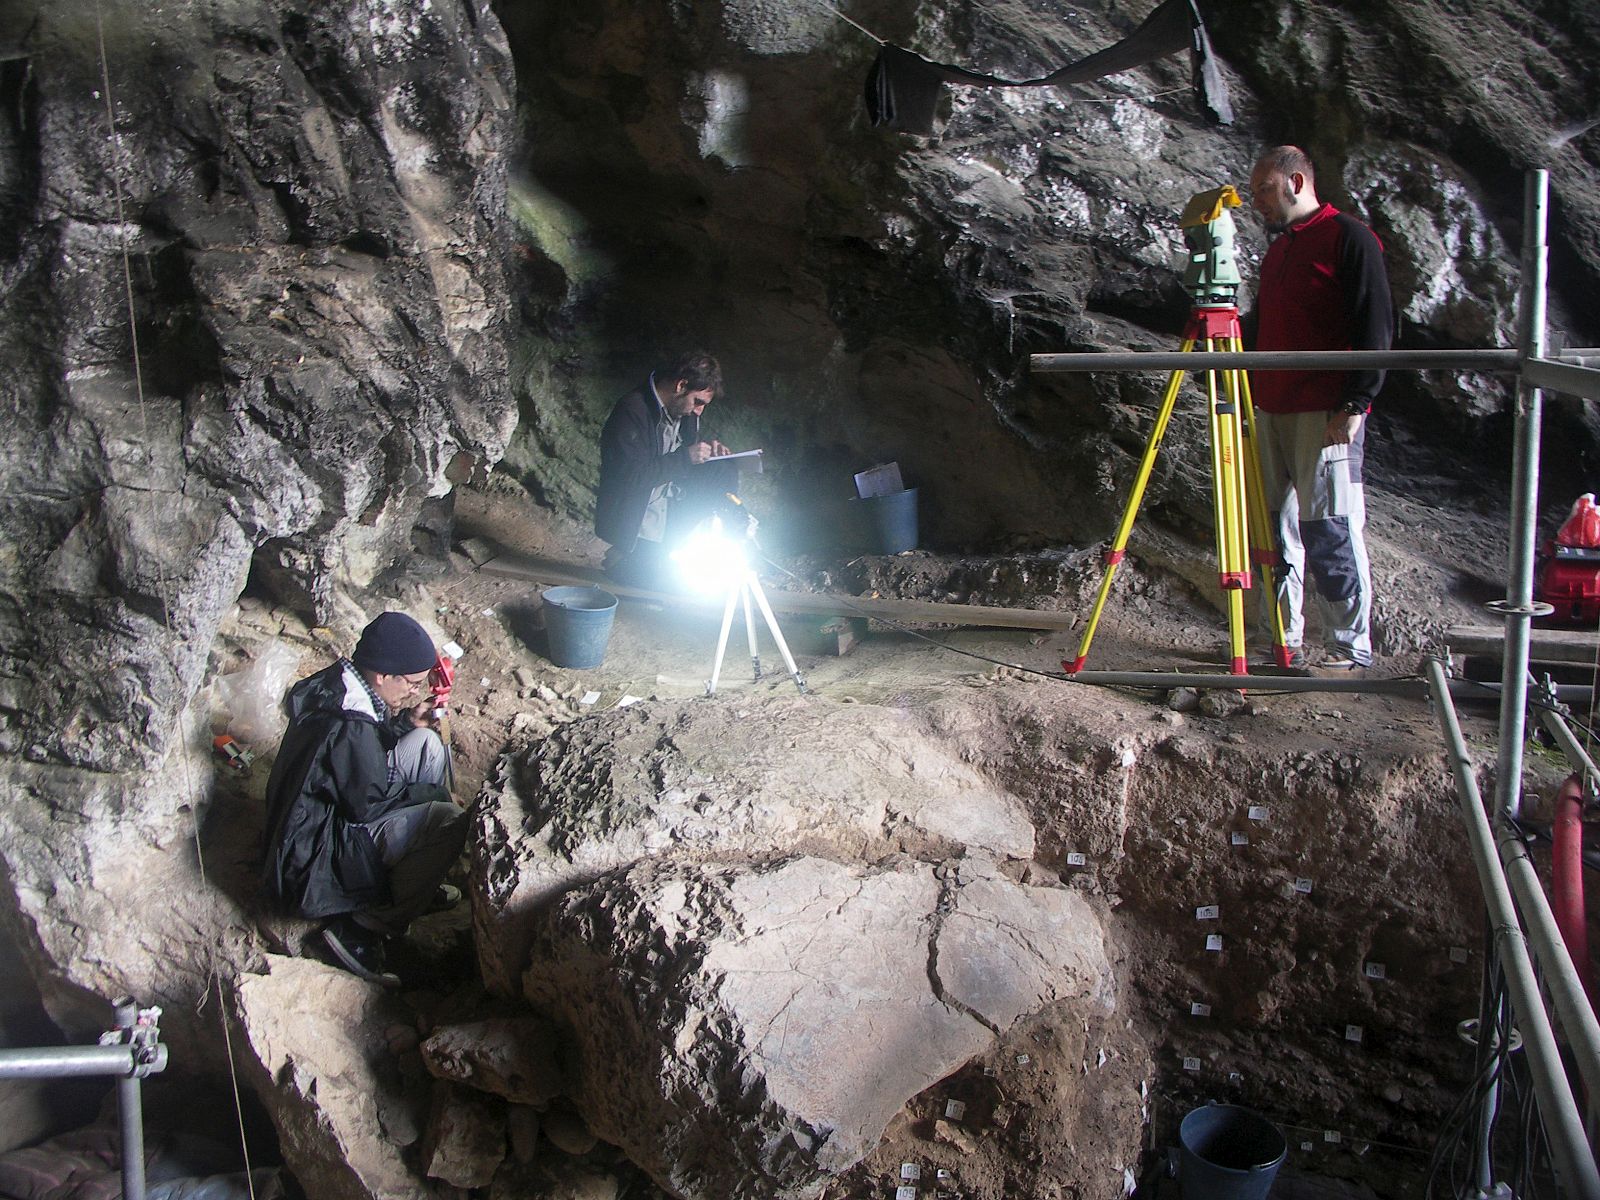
pixel 249 704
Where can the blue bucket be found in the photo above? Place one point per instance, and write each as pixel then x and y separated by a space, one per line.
pixel 577 621
pixel 1228 1153
pixel 889 523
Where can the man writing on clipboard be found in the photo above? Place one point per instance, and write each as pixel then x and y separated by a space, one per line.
pixel 650 450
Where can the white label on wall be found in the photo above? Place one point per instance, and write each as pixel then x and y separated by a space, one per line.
pixel 910 1172
pixel 1374 970
pixel 1258 812
pixel 905 1193
pixel 1213 941
pixel 1208 912
pixel 955 1109
pixel 1076 859
pixel 1306 1146
pixel 1303 886
pixel 1331 1136
pixel 1352 1033
pixel 1239 838
pixel 1191 1064
pixel 1023 1060
pixel 1196 1009
pixel 590 698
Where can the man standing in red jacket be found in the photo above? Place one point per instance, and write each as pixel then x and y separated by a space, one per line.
pixel 1323 287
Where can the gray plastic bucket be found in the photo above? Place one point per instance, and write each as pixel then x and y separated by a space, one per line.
pixel 577 621
pixel 1228 1153
pixel 889 523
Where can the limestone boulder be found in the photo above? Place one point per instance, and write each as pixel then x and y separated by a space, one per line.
pixel 466 1138
pixel 512 1057
pixel 704 778
pixel 103 889
pixel 749 1030
pixel 319 1059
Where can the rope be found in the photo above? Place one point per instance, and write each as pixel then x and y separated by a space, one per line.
pixel 849 21
pixel 161 578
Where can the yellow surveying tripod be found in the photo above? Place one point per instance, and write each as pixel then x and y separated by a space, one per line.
pixel 1244 534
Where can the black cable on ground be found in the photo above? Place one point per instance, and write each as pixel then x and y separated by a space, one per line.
pixel 1057 676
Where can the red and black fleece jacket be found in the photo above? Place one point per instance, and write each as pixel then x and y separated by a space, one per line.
pixel 1323 287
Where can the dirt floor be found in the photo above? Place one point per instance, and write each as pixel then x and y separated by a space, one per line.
pixel 1359 872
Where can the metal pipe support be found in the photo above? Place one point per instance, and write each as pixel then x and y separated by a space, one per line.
pixel 1518 607
pixel 62 1062
pixel 1577 756
pixel 1276 360
pixel 1575 1166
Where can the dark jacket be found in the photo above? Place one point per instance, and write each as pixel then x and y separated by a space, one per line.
pixel 632 465
pixel 1323 287
pixel 331 775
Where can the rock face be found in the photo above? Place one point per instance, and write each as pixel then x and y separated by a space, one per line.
pixel 853 783
pixel 321 1064
pixel 748 1031
pixel 746 1022
pixel 875 295
pixel 304 207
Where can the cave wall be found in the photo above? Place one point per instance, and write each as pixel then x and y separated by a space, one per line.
pixel 709 176
pixel 303 207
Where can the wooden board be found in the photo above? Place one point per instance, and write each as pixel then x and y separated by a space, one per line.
pixel 915 612
pixel 1544 645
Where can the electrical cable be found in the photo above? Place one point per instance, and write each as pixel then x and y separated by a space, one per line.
pixel 1057 676
pixel 161 576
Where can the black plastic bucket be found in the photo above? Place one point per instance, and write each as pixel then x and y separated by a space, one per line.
pixel 578 622
pixel 1228 1153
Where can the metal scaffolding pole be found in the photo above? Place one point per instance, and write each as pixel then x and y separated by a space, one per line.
pixel 1277 360
pixel 1576 754
pixel 1517 608
pixel 130 1051
pixel 1569 1148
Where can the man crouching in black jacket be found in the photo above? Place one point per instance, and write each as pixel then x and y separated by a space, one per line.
pixel 360 827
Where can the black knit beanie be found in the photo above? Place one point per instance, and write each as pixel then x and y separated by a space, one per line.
pixel 394 644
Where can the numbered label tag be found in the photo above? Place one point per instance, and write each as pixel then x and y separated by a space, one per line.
pixel 1331 1136
pixel 1374 970
pixel 1191 1064
pixel 1258 812
pixel 1352 1033
pixel 1196 1009
pixel 1239 838
pixel 1213 941
pixel 1076 859
pixel 910 1172
pixel 906 1192
pixel 955 1109
pixel 1303 886
pixel 1208 912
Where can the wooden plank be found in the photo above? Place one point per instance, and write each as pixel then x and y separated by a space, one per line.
pixel 1544 645
pixel 544 570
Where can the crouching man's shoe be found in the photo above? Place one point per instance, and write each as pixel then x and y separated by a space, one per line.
pixel 359 951
pixel 445 898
